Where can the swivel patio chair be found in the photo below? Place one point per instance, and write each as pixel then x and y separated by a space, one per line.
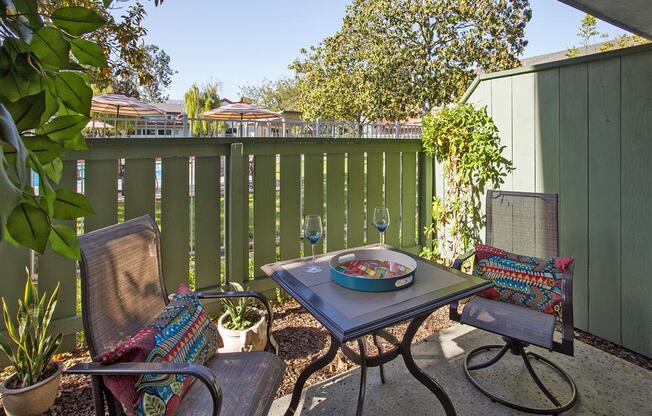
pixel 123 289
pixel 525 223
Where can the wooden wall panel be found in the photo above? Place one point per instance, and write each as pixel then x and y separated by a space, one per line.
pixel 604 198
pixel 573 171
pixel 523 146
pixel 546 130
pixel 636 194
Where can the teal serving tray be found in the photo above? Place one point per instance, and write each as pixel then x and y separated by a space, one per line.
pixel 365 283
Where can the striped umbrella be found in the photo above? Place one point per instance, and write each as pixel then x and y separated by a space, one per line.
pixel 240 111
pixel 121 105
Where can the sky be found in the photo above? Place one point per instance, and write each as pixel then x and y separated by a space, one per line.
pixel 238 43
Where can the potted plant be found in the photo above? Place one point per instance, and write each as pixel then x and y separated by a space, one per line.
pixel 242 326
pixel 32 389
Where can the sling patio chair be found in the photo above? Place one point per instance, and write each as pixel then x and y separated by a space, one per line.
pixel 123 289
pixel 525 223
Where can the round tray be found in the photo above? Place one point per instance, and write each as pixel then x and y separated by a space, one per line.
pixel 404 266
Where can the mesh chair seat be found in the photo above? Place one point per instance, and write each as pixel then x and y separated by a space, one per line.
pixel 510 320
pixel 249 381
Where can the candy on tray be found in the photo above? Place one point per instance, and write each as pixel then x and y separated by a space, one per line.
pixel 376 269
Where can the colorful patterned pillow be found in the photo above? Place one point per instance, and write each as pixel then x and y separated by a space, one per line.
pixel 181 333
pixel 526 281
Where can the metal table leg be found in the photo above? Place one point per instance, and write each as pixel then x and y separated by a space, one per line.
pixel 380 352
pixel 316 365
pixel 425 379
pixel 363 376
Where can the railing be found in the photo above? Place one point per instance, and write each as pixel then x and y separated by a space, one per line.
pixel 201 127
pixel 227 206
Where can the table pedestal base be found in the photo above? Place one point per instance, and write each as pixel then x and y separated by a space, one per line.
pixel 403 348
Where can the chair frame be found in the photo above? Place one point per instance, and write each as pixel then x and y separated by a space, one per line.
pixel 102 395
pixel 517 347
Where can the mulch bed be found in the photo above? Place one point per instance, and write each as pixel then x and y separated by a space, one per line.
pixel 301 339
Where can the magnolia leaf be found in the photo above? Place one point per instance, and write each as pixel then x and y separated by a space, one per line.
pixel 29 226
pixel 64 127
pixel 54 170
pixel 51 106
pixel 77 20
pixel 10 197
pixel 70 205
pixel 64 241
pixel 88 53
pixel 13 87
pixel 107 3
pixel 27 112
pixel 73 91
pixel 5 62
pixel 50 47
pixel 45 149
pixel 76 143
pixel 9 134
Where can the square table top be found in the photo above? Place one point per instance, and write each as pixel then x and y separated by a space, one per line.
pixel 349 314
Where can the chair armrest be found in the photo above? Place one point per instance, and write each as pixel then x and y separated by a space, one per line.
pixel 201 372
pixel 457 264
pixel 567 323
pixel 453 312
pixel 247 294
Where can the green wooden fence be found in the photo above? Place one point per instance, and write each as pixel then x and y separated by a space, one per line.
pixel 583 128
pixel 227 206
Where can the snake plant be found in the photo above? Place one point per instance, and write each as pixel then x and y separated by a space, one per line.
pixel 241 311
pixel 33 343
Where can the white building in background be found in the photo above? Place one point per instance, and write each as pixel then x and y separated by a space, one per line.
pixel 168 125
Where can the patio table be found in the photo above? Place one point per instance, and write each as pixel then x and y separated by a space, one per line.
pixel 349 315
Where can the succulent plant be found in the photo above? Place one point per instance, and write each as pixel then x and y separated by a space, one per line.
pixel 33 343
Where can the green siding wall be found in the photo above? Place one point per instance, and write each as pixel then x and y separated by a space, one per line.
pixel 583 128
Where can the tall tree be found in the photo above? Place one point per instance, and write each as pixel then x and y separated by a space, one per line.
pixel 588 34
pixel 156 62
pixel 278 95
pixel 396 58
pixel 198 99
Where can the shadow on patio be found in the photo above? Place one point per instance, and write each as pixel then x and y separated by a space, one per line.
pixel 606 385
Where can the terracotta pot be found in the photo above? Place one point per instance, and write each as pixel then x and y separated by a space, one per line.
pixel 33 400
pixel 250 339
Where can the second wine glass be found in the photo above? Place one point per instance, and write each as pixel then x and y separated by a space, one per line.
pixel 381 222
pixel 312 231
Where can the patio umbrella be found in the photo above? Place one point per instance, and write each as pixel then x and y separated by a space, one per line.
pixel 240 111
pixel 119 104
pixel 98 124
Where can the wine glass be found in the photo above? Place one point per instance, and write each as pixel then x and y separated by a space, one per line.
pixel 381 222
pixel 312 231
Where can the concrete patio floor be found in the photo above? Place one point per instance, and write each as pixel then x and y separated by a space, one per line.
pixel 606 385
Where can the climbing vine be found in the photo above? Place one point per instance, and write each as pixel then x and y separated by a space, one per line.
pixel 465 140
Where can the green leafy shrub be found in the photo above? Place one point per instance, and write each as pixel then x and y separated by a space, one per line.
pixel 34 345
pixel 242 312
pixel 45 103
pixel 465 140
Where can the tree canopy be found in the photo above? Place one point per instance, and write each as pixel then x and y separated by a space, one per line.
pixel 278 95
pixel 392 59
pixel 198 99
pixel 588 33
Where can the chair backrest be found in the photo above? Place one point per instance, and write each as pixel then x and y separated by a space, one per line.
pixel 121 281
pixel 523 222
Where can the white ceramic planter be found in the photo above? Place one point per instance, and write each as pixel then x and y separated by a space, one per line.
pixel 250 339
pixel 33 400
